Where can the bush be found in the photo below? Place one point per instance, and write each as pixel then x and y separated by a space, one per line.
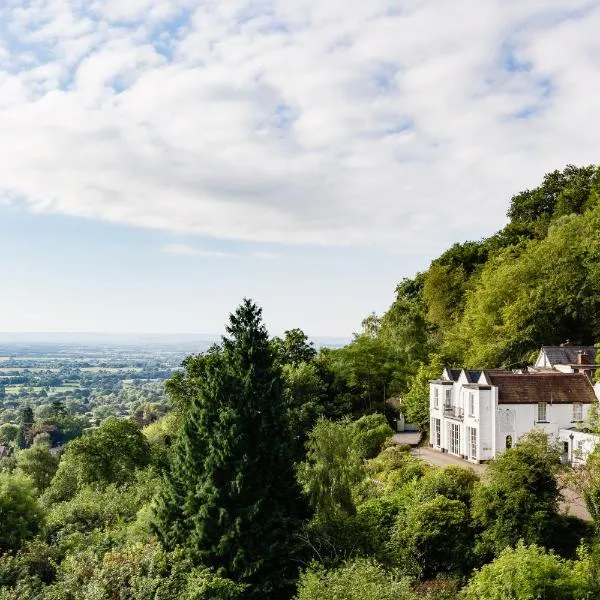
pixel 525 573
pixel 371 432
pixel 454 483
pixel 362 579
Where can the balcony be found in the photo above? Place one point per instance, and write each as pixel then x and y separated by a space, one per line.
pixel 454 412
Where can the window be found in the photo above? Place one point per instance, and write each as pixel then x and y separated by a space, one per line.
pixel 471 404
pixel 473 442
pixel 542 411
pixel 437 429
pixel 580 446
pixel 454 438
pixel 508 442
pixel 577 411
pixel 436 398
pixel 448 398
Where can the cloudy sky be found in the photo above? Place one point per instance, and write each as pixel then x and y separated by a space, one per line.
pixel 161 159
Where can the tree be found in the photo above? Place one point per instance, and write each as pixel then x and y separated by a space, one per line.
pixel 38 463
pixel 22 517
pixel 361 579
pixel 8 433
pixel 525 573
pixel 587 483
pixel 332 468
pixel 305 393
pixel 230 497
pixel 433 538
pixel 110 454
pixel 520 499
pixel 294 348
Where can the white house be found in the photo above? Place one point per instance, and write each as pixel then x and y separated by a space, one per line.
pixel 568 359
pixel 476 415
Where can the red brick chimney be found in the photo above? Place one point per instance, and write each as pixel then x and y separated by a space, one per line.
pixel 583 358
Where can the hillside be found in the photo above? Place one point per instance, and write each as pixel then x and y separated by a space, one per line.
pixel 495 301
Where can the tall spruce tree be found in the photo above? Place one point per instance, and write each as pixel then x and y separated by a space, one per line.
pixel 230 497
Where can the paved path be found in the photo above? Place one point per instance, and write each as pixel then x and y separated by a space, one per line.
pixel 572 503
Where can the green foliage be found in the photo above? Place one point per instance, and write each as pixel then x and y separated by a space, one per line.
pixel 92 508
pixel 372 368
pixel 294 348
pixel 332 469
pixel 306 395
pixel 230 497
pixel 110 454
pixel 394 468
pixel 137 572
pixel 9 433
pixel 361 579
pixel 454 483
pixel 561 193
pixel 370 432
pixel 587 483
pixel 433 537
pixel 20 514
pixel 415 403
pixel 520 498
pixel 38 463
pixel 525 573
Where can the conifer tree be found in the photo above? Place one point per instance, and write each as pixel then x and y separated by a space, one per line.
pixel 230 497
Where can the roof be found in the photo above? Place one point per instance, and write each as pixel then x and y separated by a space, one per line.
pixel 531 388
pixel 472 375
pixel 567 355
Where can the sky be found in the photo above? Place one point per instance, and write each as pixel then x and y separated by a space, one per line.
pixel 162 159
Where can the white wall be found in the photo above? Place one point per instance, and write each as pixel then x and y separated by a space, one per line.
pixel 518 419
pixel 581 443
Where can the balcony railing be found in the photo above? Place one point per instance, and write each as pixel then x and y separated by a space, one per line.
pixel 454 412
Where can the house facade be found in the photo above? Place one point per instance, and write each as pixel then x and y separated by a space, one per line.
pixel 477 415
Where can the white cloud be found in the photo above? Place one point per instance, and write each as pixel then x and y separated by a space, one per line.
pixel 294 122
pixel 186 250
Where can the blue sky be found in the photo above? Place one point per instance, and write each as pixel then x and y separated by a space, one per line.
pixel 161 159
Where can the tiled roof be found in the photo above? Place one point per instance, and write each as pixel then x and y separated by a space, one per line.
pixel 567 355
pixel 531 388
pixel 454 373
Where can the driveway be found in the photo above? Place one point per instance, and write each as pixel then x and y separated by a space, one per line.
pixel 571 504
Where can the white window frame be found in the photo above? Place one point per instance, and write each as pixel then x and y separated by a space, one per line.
pixel 454 441
pixel 473 443
pixel 436 397
pixel 577 412
pixel 542 412
pixel 471 404
pixel 437 431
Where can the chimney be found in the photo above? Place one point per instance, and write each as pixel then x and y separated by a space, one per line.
pixel 583 358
